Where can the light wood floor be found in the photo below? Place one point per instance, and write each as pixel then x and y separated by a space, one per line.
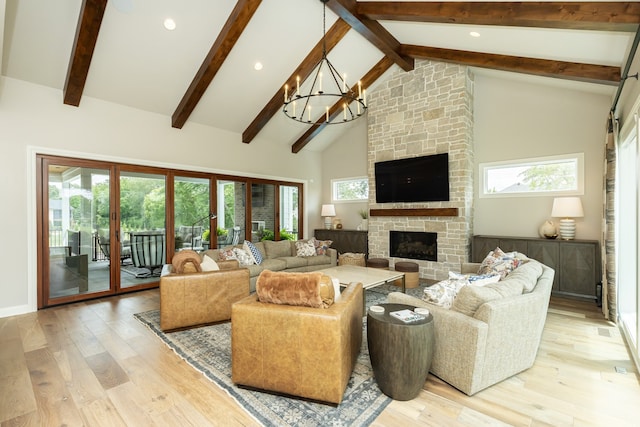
pixel 93 364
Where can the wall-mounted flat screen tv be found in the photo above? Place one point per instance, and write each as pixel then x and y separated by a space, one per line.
pixel 415 179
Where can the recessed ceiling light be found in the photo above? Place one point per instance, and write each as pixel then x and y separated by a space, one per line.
pixel 170 24
pixel 474 34
pixel 257 66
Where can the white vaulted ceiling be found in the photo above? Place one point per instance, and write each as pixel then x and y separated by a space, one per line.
pixel 138 63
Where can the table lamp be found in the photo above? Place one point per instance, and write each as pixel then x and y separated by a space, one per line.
pixel 567 208
pixel 328 211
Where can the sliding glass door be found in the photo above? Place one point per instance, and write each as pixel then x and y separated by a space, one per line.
pixel 263 221
pixel 289 208
pixel 74 205
pixel 232 215
pixel 141 230
pixel 106 228
pixel 192 222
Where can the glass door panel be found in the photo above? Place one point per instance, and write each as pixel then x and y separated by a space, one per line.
pixel 627 237
pixel 191 213
pixel 78 207
pixel 289 207
pixel 142 227
pixel 263 221
pixel 231 203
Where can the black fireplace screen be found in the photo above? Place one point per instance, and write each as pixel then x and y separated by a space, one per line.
pixel 413 245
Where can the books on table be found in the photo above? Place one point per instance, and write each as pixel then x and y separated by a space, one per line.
pixel 407 315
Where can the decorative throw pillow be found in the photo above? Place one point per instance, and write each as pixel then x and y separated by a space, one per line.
pixel 305 248
pixel 321 245
pixel 497 262
pixel 227 254
pixel 243 257
pixel 476 279
pixel 444 293
pixel 256 256
pixel 303 289
pixel 208 264
pixel 186 261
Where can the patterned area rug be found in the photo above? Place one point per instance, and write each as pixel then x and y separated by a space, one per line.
pixel 208 349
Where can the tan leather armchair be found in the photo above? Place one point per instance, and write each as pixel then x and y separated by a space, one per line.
pixel 195 299
pixel 300 351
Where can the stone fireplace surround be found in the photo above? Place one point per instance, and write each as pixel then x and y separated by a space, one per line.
pixel 422 112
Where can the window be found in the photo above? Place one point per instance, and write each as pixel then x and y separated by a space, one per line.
pixel 350 189
pixel 556 175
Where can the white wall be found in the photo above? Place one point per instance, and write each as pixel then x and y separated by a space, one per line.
pixel 516 120
pixel 34 119
pixel 512 120
pixel 346 158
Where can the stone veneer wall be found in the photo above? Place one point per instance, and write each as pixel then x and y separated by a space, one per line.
pixel 422 112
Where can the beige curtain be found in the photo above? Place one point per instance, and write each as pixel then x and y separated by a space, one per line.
pixel 609 288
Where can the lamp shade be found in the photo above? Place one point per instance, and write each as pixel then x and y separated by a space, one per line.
pixel 567 207
pixel 328 210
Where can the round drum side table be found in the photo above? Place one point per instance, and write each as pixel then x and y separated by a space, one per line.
pixel 400 353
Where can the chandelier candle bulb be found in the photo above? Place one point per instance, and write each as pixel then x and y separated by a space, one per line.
pixel 364 100
pixel 324 96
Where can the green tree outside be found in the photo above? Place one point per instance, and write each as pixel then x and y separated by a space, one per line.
pixel 553 176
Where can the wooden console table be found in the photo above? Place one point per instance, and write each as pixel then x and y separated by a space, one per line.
pixel 346 240
pixel 576 262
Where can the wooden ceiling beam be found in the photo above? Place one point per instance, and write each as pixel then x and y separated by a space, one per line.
pixel 600 74
pixel 374 74
pixel 371 30
pixel 229 35
pixel 604 16
pixel 89 22
pixel 337 31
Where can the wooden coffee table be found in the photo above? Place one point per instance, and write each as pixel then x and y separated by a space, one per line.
pixel 369 277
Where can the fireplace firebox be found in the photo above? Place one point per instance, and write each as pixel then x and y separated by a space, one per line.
pixel 413 245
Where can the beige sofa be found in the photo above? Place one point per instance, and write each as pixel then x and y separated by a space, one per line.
pixel 281 256
pixel 500 339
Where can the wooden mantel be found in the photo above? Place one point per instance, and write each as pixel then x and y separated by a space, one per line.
pixel 415 212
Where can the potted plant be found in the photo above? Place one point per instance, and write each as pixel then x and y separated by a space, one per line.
pixel 266 234
pixel 364 224
pixel 222 234
pixel 285 235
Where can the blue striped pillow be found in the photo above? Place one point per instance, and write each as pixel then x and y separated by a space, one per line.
pixel 255 252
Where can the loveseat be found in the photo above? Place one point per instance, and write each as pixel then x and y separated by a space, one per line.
pixel 488 336
pixel 281 256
